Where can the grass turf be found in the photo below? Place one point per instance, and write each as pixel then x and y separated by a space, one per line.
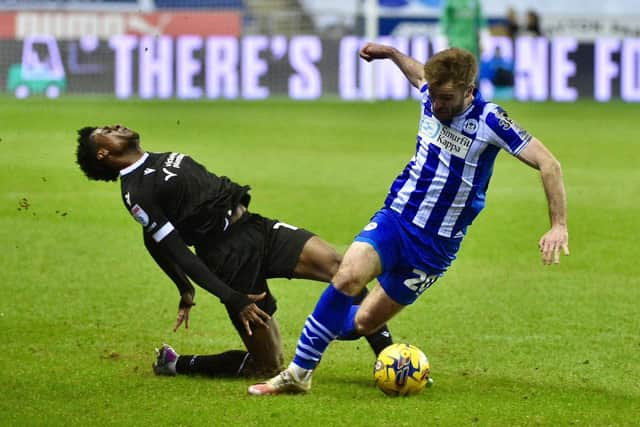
pixel 511 342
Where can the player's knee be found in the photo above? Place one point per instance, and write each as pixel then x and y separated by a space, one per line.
pixel 347 281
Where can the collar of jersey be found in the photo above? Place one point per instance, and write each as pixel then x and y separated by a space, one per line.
pixel 135 165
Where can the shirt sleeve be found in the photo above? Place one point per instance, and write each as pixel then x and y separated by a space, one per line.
pixel 170 268
pixel 508 135
pixel 175 251
pixel 152 220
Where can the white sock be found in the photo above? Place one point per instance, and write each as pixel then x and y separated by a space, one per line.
pixel 301 373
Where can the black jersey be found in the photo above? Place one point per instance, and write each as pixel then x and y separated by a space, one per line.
pixel 167 191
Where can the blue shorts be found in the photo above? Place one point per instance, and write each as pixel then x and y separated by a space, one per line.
pixel 412 258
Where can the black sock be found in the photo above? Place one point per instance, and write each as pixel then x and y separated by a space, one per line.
pixel 227 364
pixel 380 339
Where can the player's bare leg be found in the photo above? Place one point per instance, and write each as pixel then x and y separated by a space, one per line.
pixel 318 261
pixel 265 350
pixel 376 309
pixel 360 265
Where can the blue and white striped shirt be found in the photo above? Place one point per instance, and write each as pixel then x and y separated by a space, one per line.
pixel 442 189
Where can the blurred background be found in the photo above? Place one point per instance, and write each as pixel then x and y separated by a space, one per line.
pixel 540 50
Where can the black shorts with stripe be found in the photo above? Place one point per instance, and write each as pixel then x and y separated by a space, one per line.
pixel 251 251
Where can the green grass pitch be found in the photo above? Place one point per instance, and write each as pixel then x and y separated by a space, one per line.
pixel 511 342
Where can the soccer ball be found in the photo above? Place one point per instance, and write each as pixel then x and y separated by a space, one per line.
pixel 401 370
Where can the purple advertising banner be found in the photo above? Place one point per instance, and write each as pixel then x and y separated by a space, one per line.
pixel 305 67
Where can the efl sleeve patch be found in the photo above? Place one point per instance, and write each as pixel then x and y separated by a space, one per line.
pixel 151 222
pixel 140 215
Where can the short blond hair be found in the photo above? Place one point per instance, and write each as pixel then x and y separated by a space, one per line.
pixel 454 65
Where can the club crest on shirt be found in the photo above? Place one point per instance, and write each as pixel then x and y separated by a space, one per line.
pixel 444 137
pixel 371 226
pixel 140 215
pixel 470 126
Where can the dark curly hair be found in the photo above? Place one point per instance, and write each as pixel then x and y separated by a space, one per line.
pixel 86 158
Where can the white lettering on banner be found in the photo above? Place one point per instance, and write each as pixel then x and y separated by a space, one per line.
pixel 630 83
pixel 156 67
pixel 562 69
pixel 307 82
pixel 187 67
pixel 627 70
pixel 123 47
pixel 420 52
pixel 605 68
pixel 389 80
pixel 195 67
pixel 348 59
pixel 253 67
pixel 532 80
pixel 221 67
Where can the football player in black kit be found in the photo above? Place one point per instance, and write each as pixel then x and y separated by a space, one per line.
pixel 180 204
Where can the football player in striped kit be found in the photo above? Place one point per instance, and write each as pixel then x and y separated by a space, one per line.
pixel 413 239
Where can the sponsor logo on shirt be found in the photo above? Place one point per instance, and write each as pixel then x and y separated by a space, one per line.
pixel 140 215
pixel 147 171
pixel 429 128
pixel 433 132
pixel 127 198
pixel 174 160
pixel 168 175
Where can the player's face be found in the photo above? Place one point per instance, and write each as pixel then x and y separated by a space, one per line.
pixel 448 100
pixel 116 139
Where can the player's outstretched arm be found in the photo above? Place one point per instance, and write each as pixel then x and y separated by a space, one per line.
pixel 536 155
pixel 412 69
pixel 194 268
pixel 175 273
pixel 171 269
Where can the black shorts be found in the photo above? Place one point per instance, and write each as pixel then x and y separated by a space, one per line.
pixel 253 250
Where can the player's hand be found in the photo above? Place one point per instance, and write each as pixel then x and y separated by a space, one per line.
pixel 184 308
pixel 552 242
pixel 183 316
pixel 252 314
pixel 371 51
